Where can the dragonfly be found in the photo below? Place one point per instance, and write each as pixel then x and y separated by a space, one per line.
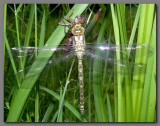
pixel 77 46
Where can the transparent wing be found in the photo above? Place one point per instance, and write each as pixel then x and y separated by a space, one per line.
pixel 128 49
pixel 122 56
pixel 33 61
pixel 47 55
pixel 90 50
pixel 31 52
pixel 53 71
pixel 59 63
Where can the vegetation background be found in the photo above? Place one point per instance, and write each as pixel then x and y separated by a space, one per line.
pixel 109 95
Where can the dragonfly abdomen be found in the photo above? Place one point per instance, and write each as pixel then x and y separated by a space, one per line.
pixel 81 85
pixel 79 44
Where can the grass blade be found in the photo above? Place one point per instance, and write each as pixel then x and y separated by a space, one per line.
pixel 66 104
pixel 48 112
pixel 42 33
pixel 17 31
pixel 151 113
pixel 110 117
pixel 8 46
pixel 62 98
pixel 144 33
pixel 127 115
pixel 118 69
pixel 97 84
pixel 37 84
pixel 149 81
pixel 5 17
pixel 135 25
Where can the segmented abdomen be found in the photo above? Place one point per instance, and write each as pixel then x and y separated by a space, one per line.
pixel 81 85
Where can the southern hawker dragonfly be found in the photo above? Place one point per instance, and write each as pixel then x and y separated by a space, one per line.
pixel 85 52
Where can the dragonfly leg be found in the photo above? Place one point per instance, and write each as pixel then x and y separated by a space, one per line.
pixel 86 25
pixel 66 31
pixel 64 24
pixel 67 17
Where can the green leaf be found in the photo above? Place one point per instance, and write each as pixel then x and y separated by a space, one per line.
pixel 144 34
pixel 48 112
pixel 66 104
pixel 97 84
pixel 148 94
pixel 42 33
pixel 118 69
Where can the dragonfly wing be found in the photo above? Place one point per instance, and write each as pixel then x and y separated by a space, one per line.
pixel 25 56
pixel 107 54
pixel 129 50
pixel 42 69
pixel 31 52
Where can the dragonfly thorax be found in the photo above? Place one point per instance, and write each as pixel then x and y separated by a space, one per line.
pixel 79 45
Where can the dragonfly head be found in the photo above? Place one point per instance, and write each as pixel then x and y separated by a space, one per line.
pixel 79 19
pixel 78 29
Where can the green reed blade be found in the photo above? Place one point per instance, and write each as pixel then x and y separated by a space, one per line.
pixel 65 89
pixel 144 33
pixel 19 7
pixel 60 113
pixel 151 110
pixel 148 81
pixel 54 116
pixel 127 114
pixel 105 67
pixel 97 84
pixel 115 95
pixel 151 107
pixel 8 46
pixel 66 104
pixel 42 33
pixel 37 84
pixel 48 112
pixel 120 108
pixel 17 31
pixel 110 116
pixel 5 17
pixel 28 33
pixel 89 91
pixel 135 25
